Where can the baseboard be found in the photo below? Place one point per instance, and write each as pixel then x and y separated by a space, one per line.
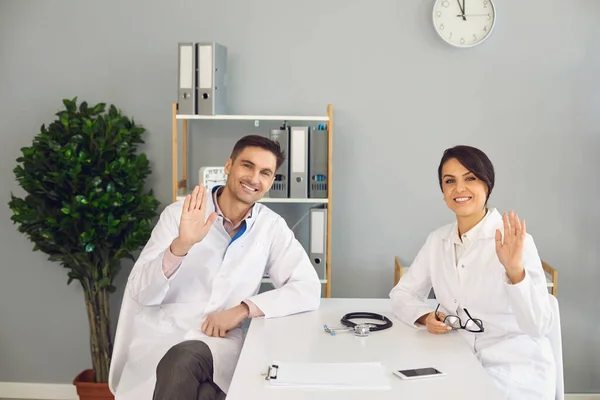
pixel 52 391
pixel 582 396
pixel 37 391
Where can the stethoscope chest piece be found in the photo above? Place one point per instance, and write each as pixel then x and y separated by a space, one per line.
pixel 360 330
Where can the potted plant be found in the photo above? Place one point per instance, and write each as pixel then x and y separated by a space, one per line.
pixel 86 207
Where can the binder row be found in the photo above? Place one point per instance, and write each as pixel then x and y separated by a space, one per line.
pixel 304 172
pixel 202 79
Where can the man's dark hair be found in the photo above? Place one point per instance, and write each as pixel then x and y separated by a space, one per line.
pixel 475 161
pixel 262 142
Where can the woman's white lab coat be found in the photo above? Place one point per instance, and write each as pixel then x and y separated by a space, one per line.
pixel 157 312
pixel 513 348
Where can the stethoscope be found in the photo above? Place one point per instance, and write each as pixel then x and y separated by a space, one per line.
pixel 362 329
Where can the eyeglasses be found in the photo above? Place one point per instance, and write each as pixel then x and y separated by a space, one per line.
pixel 454 321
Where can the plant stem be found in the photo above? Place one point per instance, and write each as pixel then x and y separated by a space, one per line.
pixel 100 335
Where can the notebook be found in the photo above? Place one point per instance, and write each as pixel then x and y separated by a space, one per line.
pixel 363 375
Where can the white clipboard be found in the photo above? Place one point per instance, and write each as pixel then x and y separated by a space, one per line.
pixel 361 375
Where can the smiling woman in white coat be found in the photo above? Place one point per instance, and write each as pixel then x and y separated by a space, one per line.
pixel 488 280
pixel 198 278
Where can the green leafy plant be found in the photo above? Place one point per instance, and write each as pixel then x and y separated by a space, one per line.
pixel 86 205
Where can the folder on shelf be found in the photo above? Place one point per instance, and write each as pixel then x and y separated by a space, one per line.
pixel 298 162
pixel 360 375
pixel 186 79
pixel 318 239
pixel 317 168
pixel 280 187
pixel 211 70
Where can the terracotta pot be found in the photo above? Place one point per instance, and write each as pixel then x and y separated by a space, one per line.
pixel 88 389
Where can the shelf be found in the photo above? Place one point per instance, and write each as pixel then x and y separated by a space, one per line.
pixel 255 117
pixel 282 200
pixel 180 182
pixel 268 280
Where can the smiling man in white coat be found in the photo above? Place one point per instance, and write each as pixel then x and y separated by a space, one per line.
pixel 488 279
pixel 197 279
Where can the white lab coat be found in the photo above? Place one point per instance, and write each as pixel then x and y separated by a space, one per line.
pixel 157 313
pixel 514 348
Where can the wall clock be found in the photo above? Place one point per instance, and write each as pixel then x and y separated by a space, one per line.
pixel 464 23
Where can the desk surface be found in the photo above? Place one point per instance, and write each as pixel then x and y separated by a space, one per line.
pixel 300 338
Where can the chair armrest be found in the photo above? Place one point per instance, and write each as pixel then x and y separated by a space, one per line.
pixel 553 275
pixel 398 270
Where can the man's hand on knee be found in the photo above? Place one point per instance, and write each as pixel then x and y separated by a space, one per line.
pixel 219 323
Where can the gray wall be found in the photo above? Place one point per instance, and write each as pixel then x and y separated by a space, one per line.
pixel 529 97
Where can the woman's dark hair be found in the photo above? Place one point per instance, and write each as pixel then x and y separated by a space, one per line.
pixel 262 142
pixel 475 161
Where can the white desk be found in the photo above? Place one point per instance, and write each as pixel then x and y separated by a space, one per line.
pixel 300 338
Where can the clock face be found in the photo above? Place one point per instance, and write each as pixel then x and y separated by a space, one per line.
pixel 464 23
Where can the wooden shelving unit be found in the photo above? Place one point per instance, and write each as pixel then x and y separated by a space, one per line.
pixel 180 185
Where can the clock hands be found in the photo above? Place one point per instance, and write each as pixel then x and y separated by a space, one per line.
pixel 462 9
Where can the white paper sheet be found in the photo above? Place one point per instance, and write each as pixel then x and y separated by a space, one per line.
pixel 364 375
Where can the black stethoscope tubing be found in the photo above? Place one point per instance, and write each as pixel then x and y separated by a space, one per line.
pixel 387 323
